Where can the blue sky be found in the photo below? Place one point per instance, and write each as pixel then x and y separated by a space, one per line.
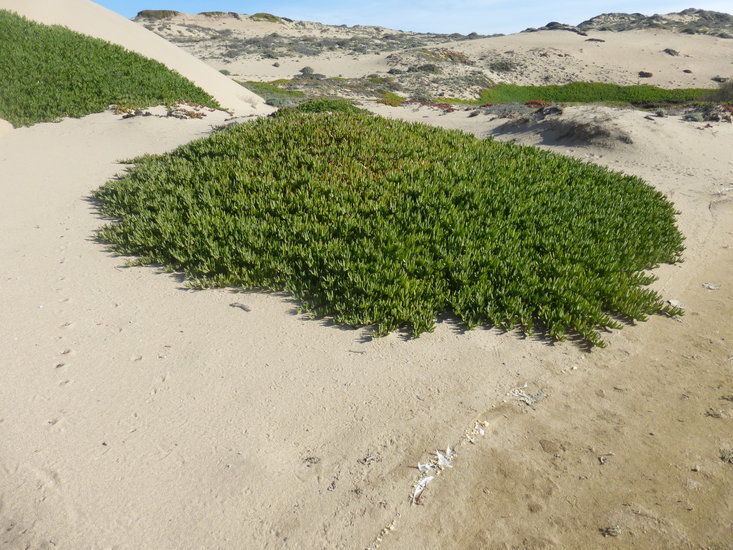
pixel 464 16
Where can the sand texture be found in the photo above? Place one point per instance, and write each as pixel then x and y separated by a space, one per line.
pixel 138 414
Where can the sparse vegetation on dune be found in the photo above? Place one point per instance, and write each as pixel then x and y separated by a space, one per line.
pixel 388 224
pixel 588 92
pixel 274 95
pixel 57 73
pixel 157 14
pixel 266 17
pixel 724 93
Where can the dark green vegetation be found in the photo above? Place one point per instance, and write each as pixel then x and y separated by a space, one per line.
pixel 384 223
pixel 52 72
pixel 391 99
pixel 723 93
pixel 589 92
pixel 274 95
pixel 265 17
pixel 157 14
pixel 328 106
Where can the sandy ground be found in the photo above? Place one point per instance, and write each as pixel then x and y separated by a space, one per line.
pixel 137 414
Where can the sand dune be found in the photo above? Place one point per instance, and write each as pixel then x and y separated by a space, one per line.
pixel 136 414
pixel 92 19
pixel 536 58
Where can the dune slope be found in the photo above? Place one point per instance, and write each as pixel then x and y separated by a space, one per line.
pixel 89 18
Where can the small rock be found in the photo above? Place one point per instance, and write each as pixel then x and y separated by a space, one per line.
pixel 670 51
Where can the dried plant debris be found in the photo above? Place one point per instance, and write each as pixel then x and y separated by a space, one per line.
pixel 528 398
pixel 611 531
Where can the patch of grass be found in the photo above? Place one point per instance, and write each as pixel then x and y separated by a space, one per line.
pixel 391 99
pixel 157 14
pixel 588 92
pixel 265 17
pixel 52 72
pixel 388 224
pixel 271 89
pixel 273 94
pixel 330 106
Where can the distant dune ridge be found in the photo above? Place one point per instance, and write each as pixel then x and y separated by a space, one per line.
pixel 92 19
pixel 678 50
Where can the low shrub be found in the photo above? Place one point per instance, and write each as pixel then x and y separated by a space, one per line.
pixel 157 14
pixel 503 66
pixel 586 92
pixel 330 106
pixel 391 99
pixel 266 17
pixel 724 93
pixel 425 68
pixel 274 94
pixel 388 224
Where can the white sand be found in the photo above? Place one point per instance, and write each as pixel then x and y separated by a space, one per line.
pixel 136 414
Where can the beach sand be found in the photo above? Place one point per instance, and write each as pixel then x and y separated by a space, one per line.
pixel 138 414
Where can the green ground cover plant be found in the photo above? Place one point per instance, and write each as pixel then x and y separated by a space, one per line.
pixel 589 92
pixel 52 72
pixel 157 14
pixel 265 17
pixel 273 94
pixel 391 99
pixel 383 223
pixel 325 105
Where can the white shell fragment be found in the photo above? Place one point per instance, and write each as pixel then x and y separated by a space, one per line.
pixel 443 460
pixel 420 487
